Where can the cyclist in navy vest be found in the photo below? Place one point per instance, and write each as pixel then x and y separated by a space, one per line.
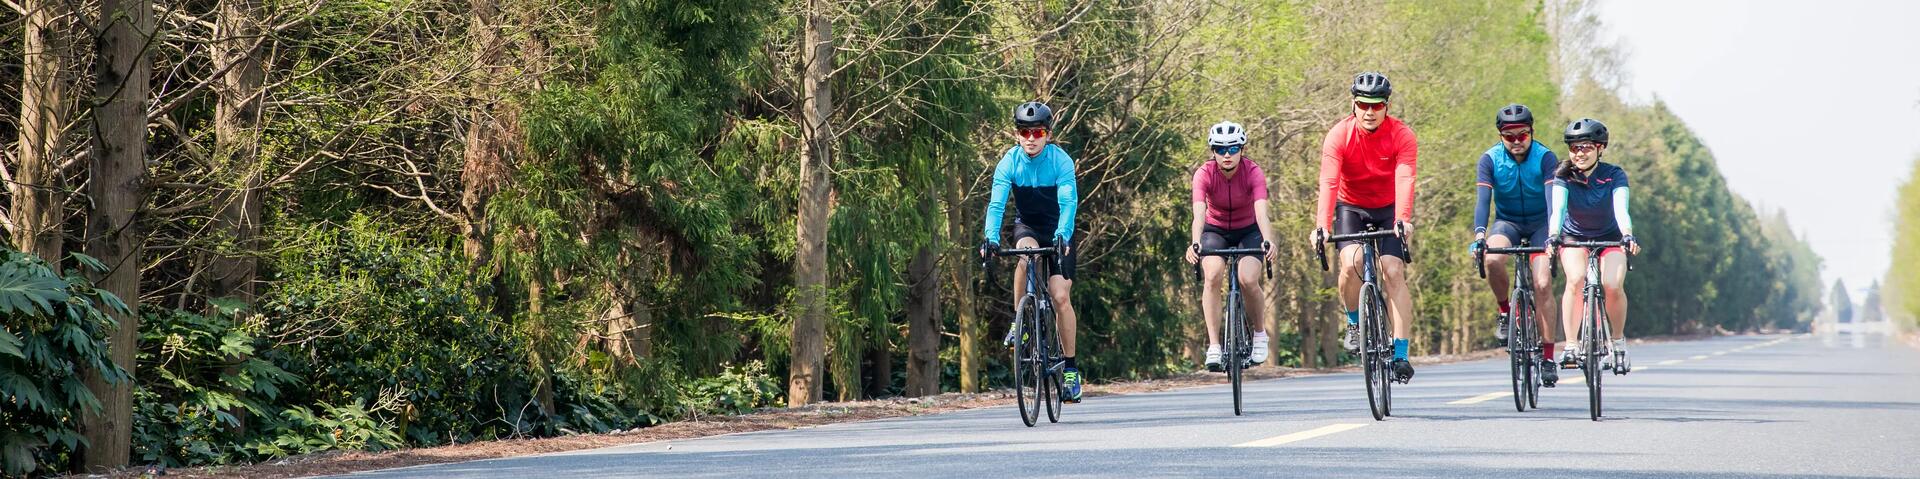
pixel 1513 185
pixel 1590 204
pixel 1039 177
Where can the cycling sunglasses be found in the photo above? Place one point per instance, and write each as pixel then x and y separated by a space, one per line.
pixel 1516 137
pixel 1369 106
pixel 1032 133
pixel 1226 150
pixel 1583 147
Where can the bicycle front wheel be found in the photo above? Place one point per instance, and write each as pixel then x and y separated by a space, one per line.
pixel 1235 338
pixel 1026 363
pixel 1592 341
pixel 1373 356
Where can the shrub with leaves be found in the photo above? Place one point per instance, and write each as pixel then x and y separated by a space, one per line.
pixel 53 327
pixel 198 372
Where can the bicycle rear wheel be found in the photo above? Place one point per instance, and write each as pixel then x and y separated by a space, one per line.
pixel 1026 364
pixel 1051 378
pixel 1234 332
pixel 1374 362
pixel 1522 346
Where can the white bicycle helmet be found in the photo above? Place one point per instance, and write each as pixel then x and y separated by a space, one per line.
pixel 1226 133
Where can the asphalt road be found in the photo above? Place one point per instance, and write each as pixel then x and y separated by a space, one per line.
pixel 1751 406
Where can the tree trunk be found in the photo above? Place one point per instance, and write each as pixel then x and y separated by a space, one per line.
pixel 51 51
pixel 962 274
pixel 536 306
pixel 118 166
pixel 810 270
pixel 236 126
pixel 483 168
pixel 923 318
pixel 880 366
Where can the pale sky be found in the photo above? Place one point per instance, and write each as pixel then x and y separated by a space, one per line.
pixel 1811 107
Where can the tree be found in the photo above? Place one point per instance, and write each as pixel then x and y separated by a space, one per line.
pixel 117 170
pixel 1870 306
pixel 1903 283
pixel 810 258
pixel 51 58
pixel 1839 303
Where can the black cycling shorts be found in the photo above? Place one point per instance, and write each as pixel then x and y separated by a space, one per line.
pixel 1349 219
pixel 1215 237
pixel 1063 267
pixel 1535 234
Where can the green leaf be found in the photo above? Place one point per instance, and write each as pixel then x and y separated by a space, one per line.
pixel 89 262
pixel 10 344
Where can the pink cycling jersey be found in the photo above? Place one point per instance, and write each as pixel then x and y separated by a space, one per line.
pixel 1229 200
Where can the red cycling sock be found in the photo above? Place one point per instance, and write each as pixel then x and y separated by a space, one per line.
pixel 1546 348
pixel 1505 308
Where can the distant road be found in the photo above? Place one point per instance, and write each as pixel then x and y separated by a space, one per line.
pixel 1751 406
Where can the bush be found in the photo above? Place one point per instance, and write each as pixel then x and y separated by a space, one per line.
pixel 52 328
pixel 197 373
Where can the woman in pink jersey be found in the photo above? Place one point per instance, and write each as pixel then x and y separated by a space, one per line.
pixel 1230 211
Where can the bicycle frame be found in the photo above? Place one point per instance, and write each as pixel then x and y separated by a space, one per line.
pixel 1040 344
pixel 1523 346
pixel 1376 346
pixel 1596 332
pixel 1235 333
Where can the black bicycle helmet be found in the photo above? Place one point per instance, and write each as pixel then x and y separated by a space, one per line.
pixel 1514 114
pixel 1372 85
pixel 1586 129
pixel 1033 114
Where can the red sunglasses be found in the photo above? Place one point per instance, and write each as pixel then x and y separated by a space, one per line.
pixel 1516 137
pixel 1369 106
pixel 1033 133
pixel 1584 147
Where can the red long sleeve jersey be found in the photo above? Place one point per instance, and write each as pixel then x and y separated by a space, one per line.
pixel 1368 169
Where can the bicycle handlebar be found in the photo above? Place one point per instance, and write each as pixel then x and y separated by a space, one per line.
pixel 1042 251
pixel 1231 252
pixel 1321 248
pixel 1480 256
pixel 1592 245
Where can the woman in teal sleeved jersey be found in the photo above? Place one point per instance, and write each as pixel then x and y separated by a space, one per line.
pixel 1589 203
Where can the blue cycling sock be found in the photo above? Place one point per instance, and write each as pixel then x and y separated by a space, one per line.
pixel 1399 348
pixel 1353 317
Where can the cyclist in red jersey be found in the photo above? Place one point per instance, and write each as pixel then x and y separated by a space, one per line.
pixel 1367 166
pixel 1230 211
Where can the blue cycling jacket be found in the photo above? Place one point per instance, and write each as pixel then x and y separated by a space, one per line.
pixel 1518 188
pixel 1042 188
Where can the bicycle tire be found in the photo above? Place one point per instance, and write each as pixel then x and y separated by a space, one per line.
pixel 1374 368
pixel 1026 374
pixel 1592 341
pixel 1516 354
pixel 1234 332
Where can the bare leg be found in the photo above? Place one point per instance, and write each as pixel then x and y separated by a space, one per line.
pixel 1063 312
pixel 1544 306
pixel 1212 268
pixel 1393 276
pixel 1254 299
pixel 1613 276
pixel 1574 262
pixel 1497 269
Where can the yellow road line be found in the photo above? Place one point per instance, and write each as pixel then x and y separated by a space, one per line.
pixel 1302 435
pixel 1482 398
